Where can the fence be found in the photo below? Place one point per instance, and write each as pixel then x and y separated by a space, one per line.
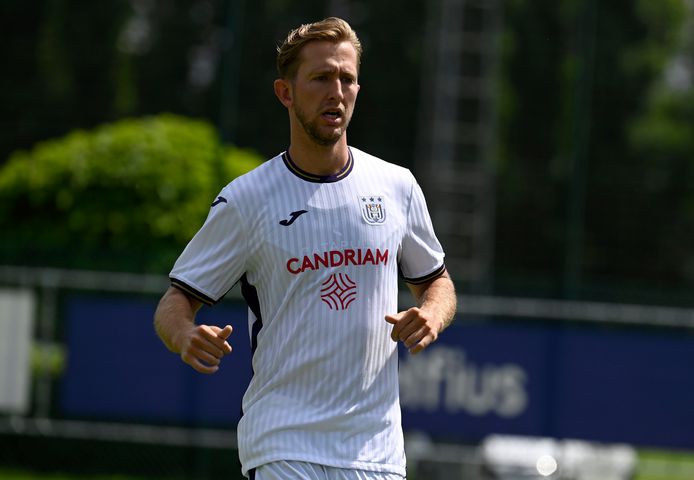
pixel 165 450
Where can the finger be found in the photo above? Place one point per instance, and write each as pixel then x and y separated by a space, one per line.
pixel 202 368
pixel 413 338
pixel 225 332
pixel 421 345
pixel 409 328
pixel 204 356
pixel 210 332
pixel 212 346
pixel 216 336
pixel 198 366
pixel 403 320
pixel 393 320
pixel 219 336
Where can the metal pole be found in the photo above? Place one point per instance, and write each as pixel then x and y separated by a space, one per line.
pixel 230 71
pixel 579 149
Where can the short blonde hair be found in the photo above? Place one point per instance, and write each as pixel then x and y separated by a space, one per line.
pixel 331 29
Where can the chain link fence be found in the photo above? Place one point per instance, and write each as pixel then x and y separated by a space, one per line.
pixel 36 436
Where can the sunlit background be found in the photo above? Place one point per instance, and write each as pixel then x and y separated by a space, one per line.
pixel 554 140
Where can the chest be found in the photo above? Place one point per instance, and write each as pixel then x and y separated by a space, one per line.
pixel 333 216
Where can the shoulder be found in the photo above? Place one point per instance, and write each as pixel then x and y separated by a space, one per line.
pixel 256 181
pixel 377 166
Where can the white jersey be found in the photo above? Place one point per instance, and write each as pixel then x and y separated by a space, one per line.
pixel 318 258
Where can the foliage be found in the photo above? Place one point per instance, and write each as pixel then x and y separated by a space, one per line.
pixel 579 82
pixel 662 140
pixel 126 195
pixel 61 64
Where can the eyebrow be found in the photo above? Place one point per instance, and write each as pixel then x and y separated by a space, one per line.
pixel 331 70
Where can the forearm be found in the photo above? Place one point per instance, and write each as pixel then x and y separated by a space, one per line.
pixel 418 327
pixel 438 298
pixel 175 314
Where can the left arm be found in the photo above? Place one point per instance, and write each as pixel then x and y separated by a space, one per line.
pixel 420 326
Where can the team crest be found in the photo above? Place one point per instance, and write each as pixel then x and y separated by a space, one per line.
pixel 373 209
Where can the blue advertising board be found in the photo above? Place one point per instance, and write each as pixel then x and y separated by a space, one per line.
pixel 583 382
pixel 118 369
pixel 566 382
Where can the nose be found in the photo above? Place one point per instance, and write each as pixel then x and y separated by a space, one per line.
pixel 336 89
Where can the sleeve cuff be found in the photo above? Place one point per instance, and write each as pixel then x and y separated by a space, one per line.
pixel 426 278
pixel 187 289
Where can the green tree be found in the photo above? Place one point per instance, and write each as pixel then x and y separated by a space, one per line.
pixel 125 196
pixel 579 78
pixel 626 218
pixel 662 142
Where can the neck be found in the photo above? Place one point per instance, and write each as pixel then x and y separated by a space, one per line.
pixel 322 160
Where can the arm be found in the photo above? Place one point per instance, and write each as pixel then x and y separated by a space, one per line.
pixel 200 346
pixel 420 326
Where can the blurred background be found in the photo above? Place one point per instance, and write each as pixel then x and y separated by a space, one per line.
pixel 554 141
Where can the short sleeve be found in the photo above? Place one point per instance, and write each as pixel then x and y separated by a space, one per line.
pixel 421 256
pixel 215 259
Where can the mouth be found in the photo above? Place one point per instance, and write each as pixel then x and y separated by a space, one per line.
pixel 333 115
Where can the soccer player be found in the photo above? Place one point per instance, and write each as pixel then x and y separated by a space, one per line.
pixel 317 237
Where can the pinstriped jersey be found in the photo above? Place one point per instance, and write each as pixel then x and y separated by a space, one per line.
pixel 318 259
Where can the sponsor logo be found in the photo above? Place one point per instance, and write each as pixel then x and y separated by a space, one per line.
pixel 338 291
pixel 218 201
pixel 373 210
pixel 337 258
pixel 443 378
pixel 292 216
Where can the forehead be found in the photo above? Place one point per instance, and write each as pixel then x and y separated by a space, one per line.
pixel 324 55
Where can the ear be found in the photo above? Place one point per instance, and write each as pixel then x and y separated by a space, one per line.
pixel 283 91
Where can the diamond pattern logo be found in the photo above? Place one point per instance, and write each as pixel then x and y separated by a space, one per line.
pixel 338 291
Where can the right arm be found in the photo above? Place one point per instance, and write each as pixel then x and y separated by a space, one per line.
pixel 200 346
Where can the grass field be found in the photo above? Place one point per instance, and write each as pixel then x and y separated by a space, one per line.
pixel 660 465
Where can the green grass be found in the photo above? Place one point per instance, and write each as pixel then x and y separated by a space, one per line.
pixel 664 465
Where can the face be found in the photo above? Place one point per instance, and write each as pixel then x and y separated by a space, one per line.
pixel 324 91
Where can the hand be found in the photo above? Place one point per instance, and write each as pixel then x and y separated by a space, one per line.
pixel 203 346
pixel 415 328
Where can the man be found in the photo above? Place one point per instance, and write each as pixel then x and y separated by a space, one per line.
pixel 316 236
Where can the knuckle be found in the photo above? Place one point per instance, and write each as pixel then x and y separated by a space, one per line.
pixel 203 331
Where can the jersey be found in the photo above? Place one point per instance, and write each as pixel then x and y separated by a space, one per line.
pixel 284 470
pixel 318 259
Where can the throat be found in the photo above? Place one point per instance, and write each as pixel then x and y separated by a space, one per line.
pixel 323 162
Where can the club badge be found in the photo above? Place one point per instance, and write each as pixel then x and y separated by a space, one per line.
pixel 373 210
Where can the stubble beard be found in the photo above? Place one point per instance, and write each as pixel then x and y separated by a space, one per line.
pixel 313 131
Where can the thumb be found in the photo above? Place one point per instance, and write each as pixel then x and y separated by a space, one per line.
pixel 393 318
pixel 225 332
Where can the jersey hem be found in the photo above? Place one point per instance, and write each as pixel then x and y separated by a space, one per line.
pixel 367 466
pixel 426 278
